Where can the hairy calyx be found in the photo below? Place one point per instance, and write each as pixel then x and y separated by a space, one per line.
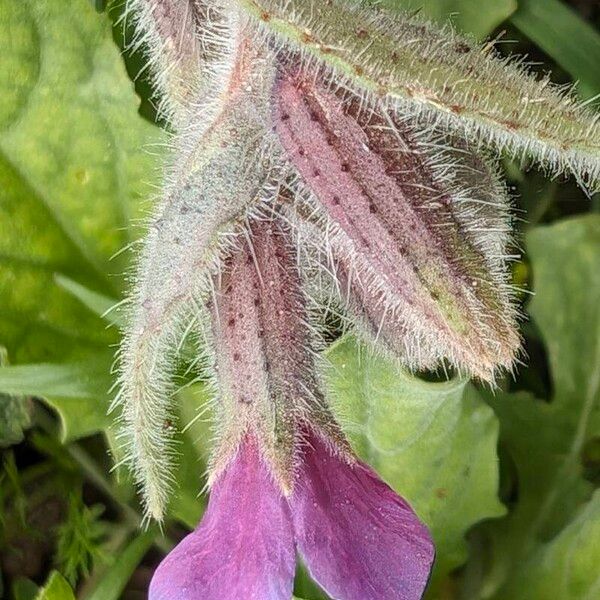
pixel 437 77
pixel 399 246
pixel 265 365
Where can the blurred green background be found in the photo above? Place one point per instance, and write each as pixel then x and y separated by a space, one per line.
pixel 507 482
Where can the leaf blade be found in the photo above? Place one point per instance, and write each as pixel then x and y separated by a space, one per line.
pixel 79 392
pixel 71 173
pixel 467 16
pixel 547 439
pixel 116 577
pixel 56 588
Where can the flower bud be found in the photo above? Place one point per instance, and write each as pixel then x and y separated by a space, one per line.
pixel 398 227
pixel 190 46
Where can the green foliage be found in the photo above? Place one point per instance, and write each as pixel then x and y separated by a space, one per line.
pixel 14 419
pixel 555 27
pixel 116 577
pixel 547 438
pixel 79 392
pixel 101 305
pixel 57 588
pixel 567 565
pixel 24 589
pixel 79 539
pixel 14 413
pixel 194 447
pixel 468 16
pixel 76 160
pixel 11 489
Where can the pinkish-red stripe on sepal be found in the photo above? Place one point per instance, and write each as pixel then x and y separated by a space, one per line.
pixel 243 547
pixel 358 538
pixel 380 326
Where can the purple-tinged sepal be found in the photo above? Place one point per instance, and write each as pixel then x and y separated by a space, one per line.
pixel 264 359
pixel 436 77
pixel 402 227
pixel 190 47
pixel 210 187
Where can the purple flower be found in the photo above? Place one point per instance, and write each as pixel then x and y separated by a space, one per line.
pixel 359 539
pixel 243 548
pixel 365 133
pixel 283 476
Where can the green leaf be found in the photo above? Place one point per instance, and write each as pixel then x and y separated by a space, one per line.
pixel 15 413
pixel 305 587
pixel 99 304
pixel 79 538
pixel 187 504
pixel 435 443
pixel 118 574
pixel 79 392
pixel 547 440
pixel 56 588
pixel 24 589
pixel 468 16
pixel 567 566
pixel 565 265
pixel 566 37
pixel 15 417
pixel 75 158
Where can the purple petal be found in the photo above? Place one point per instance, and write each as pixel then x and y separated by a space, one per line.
pixel 244 546
pixel 359 539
